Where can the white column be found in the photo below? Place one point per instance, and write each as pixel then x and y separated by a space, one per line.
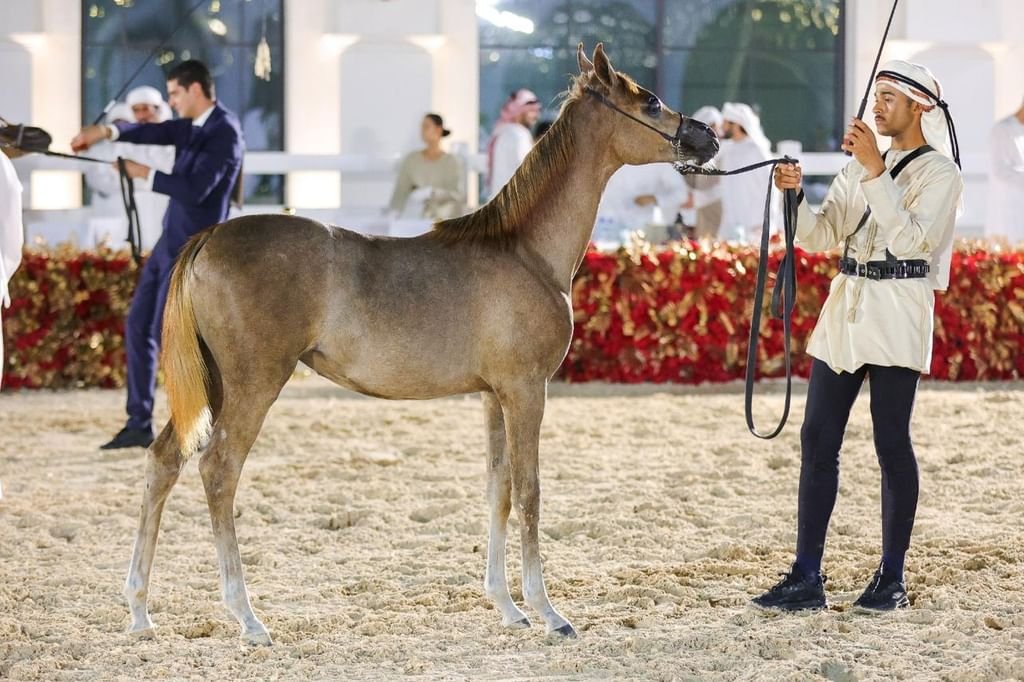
pixel 974 48
pixel 312 100
pixel 410 57
pixel 40 48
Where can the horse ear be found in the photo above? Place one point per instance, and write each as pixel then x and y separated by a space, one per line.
pixel 586 66
pixel 603 67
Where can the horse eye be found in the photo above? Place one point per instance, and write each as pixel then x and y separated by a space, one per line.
pixel 653 106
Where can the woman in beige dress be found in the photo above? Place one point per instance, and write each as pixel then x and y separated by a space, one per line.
pixel 431 183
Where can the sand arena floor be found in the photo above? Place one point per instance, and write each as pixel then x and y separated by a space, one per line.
pixel 362 525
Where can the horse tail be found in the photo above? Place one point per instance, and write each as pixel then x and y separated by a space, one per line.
pixel 185 371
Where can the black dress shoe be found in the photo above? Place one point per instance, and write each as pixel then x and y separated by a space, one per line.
pixel 130 438
pixel 795 592
pixel 885 592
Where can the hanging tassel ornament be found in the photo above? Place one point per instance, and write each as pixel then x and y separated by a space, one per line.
pixel 262 67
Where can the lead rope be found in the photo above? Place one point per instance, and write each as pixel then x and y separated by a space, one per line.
pixel 783 294
pixel 127 189
pixel 130 210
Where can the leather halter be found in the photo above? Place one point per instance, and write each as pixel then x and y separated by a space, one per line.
pixel 676 141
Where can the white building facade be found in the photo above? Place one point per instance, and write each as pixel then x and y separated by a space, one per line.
pixel 360 74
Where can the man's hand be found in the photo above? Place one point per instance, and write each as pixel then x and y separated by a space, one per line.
pixel 135 170
pixel 788 176
pixel 861 142
pixel 645 200
pixel 88 136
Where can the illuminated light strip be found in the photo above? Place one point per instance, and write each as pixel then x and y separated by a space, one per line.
pixel 503 19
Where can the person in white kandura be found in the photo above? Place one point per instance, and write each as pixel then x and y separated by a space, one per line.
pixel 143 105
pixel 12 239
pixel 743 195
pixel 12 234
pixel 511 140
pixel 706 190
pixel 892 217
pixel 1006 179
pixel 640 197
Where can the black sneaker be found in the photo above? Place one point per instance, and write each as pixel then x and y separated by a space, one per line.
pixel 130 438
pixel 885 592
pixel 795 592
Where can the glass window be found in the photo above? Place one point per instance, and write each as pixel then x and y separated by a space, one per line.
pixel 117 35
pixel 783 57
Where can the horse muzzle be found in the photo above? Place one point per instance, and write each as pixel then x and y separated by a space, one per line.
pixel 694 141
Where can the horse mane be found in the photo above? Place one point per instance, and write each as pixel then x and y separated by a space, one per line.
pixel 502 220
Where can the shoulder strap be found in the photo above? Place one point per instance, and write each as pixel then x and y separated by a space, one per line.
pixel 896 170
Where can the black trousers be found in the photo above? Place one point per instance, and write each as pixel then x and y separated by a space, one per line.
pixel 830 398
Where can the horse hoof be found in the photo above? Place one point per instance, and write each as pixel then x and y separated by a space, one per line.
pixel 142 632
pixel 256 639
pixel 520 624
pixel 567 631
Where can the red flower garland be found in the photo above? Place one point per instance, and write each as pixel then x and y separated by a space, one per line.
pixel 678 313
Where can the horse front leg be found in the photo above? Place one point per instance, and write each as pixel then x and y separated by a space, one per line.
pixel 523 409
pixel 499 497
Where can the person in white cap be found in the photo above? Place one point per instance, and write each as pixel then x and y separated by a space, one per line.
pixel 108 222
pixel 706 190
pixel 1006 179
pixel 148 105
pixel 892 215
pixel 743 195
pixel 511 139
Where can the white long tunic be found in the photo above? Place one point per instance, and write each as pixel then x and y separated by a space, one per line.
pixel 618 202
pixel 12 236
pixel 1006 181
pixel 884 322
pixel 743 195
pixel 108 206
pixel 511 145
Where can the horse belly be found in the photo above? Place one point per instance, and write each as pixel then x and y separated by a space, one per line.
pixel 394 371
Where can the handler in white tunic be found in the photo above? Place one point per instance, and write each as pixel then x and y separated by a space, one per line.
pixel 1006 180
pixel 877 321
pixel 12 235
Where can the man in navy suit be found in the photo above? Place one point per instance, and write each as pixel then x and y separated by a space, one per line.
pixel 209 146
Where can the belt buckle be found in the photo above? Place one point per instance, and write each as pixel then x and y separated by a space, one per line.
pixel 862 270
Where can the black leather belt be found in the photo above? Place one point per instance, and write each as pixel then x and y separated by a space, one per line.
pixel 880 269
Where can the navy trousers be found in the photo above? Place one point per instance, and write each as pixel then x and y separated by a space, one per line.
pixel 142 337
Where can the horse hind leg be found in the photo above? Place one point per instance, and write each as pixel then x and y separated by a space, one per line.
pixel 499 497
pixel 234 432
pixel 163 465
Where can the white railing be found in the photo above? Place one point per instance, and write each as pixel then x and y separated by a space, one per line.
pixel 51 223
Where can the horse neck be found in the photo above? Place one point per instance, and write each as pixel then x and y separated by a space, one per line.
pixel 564 216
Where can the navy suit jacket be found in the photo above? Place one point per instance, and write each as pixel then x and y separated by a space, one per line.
pixel 205 170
